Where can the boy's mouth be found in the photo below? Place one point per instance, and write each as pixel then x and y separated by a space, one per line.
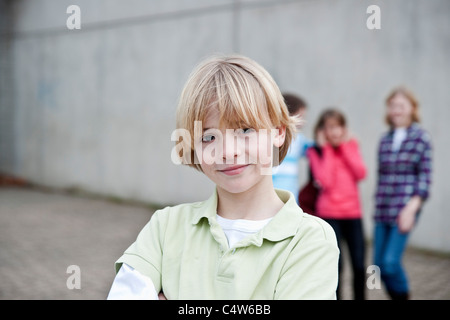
pixel 234 170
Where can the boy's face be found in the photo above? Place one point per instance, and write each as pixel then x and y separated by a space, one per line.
pixel 236 159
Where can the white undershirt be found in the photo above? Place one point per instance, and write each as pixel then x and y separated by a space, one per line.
pixel 237 229
pixel 399 136
pixel 130 284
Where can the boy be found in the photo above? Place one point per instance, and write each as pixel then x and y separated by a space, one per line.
pixel 248 240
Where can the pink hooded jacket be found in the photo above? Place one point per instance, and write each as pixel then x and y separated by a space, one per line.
pixel 338 171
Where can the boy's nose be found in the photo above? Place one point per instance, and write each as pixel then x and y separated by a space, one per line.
pixel 231 148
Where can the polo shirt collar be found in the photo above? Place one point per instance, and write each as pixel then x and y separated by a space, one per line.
pixel 283 225
pixel 206 209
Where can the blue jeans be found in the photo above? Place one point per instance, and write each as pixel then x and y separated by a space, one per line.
pixel 389 245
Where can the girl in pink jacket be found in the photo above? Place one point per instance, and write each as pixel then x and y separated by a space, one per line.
pixel 337 168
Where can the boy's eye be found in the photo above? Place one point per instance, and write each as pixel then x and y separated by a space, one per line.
pixel 208 138
pixel 245 130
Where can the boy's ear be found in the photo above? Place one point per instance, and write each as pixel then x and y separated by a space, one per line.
pixel 280 136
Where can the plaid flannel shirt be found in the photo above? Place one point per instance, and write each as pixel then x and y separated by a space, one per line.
pixel 402 174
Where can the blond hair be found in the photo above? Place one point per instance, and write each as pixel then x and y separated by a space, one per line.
pixel 415 117
pixel 244 94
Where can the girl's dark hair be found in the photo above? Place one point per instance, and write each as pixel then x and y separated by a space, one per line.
pixel 330 113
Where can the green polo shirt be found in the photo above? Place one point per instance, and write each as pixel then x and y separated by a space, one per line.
pixel 185 252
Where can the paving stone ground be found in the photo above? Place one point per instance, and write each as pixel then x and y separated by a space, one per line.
pixel 44 232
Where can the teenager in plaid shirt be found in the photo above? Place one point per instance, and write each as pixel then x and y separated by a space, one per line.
pixel 404 178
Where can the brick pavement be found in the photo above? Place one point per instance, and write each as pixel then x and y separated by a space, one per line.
pixel 43 232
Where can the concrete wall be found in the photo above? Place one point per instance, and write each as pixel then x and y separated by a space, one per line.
pixel 94 108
